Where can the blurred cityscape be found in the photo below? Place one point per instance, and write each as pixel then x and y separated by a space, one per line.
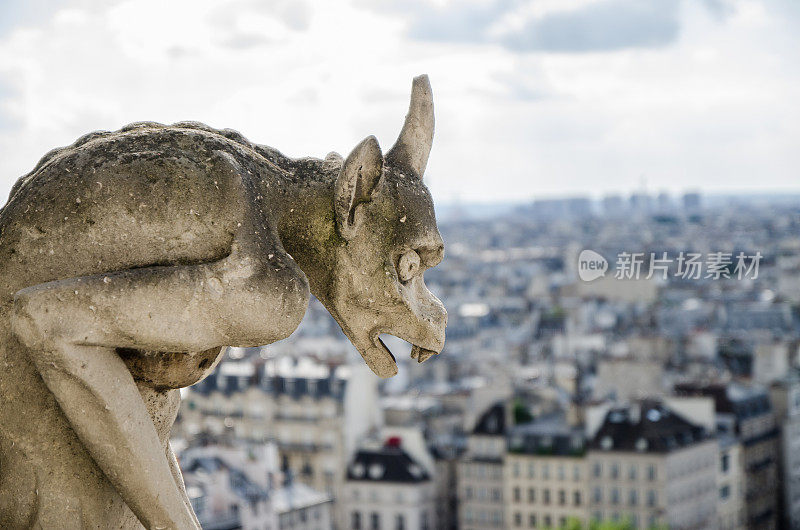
pixel 668 401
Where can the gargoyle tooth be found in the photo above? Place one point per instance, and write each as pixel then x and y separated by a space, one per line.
pixel 421 354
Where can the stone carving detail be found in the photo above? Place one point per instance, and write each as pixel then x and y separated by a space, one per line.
pixel 130 258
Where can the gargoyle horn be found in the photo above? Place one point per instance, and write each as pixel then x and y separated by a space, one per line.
pixel 414 144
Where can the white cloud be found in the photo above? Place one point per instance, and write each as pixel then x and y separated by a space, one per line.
pixel 715 109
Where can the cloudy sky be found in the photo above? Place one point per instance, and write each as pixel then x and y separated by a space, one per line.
pixel 533 98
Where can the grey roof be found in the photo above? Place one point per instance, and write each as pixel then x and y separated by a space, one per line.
pixel 655 429
pixel 388 464
pixel 547 437
pixel 493 421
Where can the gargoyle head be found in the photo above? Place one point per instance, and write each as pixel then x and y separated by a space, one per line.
pixel 384 216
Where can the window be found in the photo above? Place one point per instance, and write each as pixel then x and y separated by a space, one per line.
pixel 562 497
pixel 516 495
pixel 576 498
pixel 400 522
pixel 532 520
pixel 516 469
pixel 562 472
pixel 598 495
pixel 468 492
pixel 576 473
pixel 548 521
pixel 651 498
pixel 355 521
pixel 546 471
pixel 724 492
pixel 614 495
pixel 496 494
pixel 546 499
pixel 651 472
pixel 615 471
pixel 531 471
pixel 517 519
pixel 632 472
pixel 597 470
pixel 725 462
pixel 423 521
pixel 375 521
pixel 633 497
pixel 531 495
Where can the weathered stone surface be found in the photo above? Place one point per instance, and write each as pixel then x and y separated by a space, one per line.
pixel 130 258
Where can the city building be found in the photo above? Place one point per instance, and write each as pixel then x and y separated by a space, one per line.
pixel 385 488
pixel 785 396
pixel 299 404
pixel 480 473
pixel 299 507
pixel 746 413
pixel 545 472
pixel 731 502
pixel 651 466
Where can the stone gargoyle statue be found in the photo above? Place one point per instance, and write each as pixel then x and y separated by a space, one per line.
pixel 129 259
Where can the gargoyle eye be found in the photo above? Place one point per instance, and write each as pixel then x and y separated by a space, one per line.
pixel 408 265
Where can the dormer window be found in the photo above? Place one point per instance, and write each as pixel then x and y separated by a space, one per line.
pixel 376 471
pixel 357 470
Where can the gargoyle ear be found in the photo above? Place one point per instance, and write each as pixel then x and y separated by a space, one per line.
pixel 356 183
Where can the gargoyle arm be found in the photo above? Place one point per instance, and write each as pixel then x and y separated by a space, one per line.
pixel 73 327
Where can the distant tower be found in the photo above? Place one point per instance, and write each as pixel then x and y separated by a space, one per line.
pixel 692 202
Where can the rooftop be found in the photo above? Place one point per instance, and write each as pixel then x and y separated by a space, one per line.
pixel 387 464
pixel 646 427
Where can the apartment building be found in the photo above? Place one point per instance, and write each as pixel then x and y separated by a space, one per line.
pixel 545 472
pixel 785 396
pixel 730 484
pixel 652 467
pixel 386 488
pixel 746 413
pixel 298 404
pixel 480 473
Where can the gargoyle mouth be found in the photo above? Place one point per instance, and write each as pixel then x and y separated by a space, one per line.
pixel 418 352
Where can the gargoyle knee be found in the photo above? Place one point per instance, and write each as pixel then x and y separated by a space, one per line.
pixel 30 324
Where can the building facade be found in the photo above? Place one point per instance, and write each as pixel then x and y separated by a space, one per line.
pixel 386 489
pixel 480 473
pixel 651 467
pixel 545 473
pixel 745 412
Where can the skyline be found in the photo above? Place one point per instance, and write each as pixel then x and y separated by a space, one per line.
pixel 533 99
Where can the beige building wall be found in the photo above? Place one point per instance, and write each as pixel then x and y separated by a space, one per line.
pixel 480 494
pixel 544 491
pixel 691 487
pixel 731 486
pixel 677 489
